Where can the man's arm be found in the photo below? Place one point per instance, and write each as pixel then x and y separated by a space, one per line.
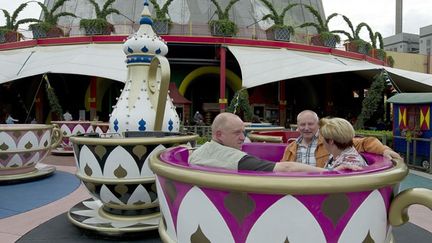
pixel 373 145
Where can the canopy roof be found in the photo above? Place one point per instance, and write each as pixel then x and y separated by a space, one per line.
pixel 411 98
pixel 265 65
pixel 101 60
pixel 258 65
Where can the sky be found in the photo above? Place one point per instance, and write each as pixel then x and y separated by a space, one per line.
pixel 378 14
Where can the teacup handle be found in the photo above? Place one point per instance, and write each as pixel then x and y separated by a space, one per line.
pixel 162 62
pixel 56 137
pixel 398 213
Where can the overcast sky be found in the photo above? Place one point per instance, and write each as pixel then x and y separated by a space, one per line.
pixel 378 14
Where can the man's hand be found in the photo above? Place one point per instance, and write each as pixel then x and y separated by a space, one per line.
pixel 348 167
pixel 390 154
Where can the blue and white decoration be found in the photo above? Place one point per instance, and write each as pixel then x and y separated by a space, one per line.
pixel 136 107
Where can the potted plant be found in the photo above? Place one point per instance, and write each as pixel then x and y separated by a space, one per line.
pixel 354 42
pixel 279 30
pixel 162 21
pixel 223 26
pixel 390 61
pixel 99 25
pixel 324 36
pixel 9 32
pixel 378 53
pixel 48 27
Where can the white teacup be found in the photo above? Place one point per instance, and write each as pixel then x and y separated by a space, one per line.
pixel 22 146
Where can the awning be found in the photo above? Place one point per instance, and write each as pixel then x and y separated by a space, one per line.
pixel 264 65
pixel 102 60
pixel 411 98
pixel 176 96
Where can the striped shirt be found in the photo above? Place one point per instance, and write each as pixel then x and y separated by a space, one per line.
pixel 306 153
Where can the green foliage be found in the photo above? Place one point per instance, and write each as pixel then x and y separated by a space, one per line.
pixel 372 101
pixel 52 99
pixel 11 22
pixel 161 13
pixel 223 24
pixel 377 134
pixel 100 24
pixel 202 139
pixel 50 17
pixel 100 21
pixel 390 61
pixel 240 103
pixel 278 19
pixel 322 27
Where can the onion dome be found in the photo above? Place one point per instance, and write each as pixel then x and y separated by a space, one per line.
pixel 145 43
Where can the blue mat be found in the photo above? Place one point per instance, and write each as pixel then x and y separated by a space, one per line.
pixel 23 197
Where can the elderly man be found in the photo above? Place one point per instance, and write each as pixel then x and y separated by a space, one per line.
pixel 309 147
pixel 224 150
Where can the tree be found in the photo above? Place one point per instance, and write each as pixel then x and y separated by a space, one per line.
pixel 358 44
pixel 161 13
pixel 12 24
pixel 278 19
pixel 100 24
pixel 326 37
pixel 373 100
pixel 223 25
pixel 240 105
pixel 162 21
pixel 50 19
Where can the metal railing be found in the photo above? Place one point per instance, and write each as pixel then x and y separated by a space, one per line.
pixel 411 162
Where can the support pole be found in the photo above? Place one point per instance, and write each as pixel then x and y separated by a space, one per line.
pixel 222 86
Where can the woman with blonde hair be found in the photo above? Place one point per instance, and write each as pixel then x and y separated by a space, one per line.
pixel 338 137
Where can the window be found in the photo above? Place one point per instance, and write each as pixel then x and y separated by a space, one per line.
pixel 428 42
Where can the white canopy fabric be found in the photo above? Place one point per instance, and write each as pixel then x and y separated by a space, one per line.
pixel 264 65
pixel 258 65
pixel 102 60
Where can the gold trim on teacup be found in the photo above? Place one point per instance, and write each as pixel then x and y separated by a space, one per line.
pixel 25 127
pixel 163 234
pixel 133 140
pixel 131 207
pixel 111 231
pixel 125 218
pixel 398 213
pixel 265 138
pixel 268 184
pixel 112 181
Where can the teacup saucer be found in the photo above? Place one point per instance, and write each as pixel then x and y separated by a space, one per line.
pixel 42 170
pixel 61 151
pixel 88 215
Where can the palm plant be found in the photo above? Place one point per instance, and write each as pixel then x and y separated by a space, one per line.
pixel 325 37
pixel 48 27
pixel 99 25
pixel 355 43
pixel 279 30
pixel 223 25
pixel 9 32
pixel 379 51
pixel 162 21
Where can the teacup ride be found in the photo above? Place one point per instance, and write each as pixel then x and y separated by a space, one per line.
pixel 22 147
pixel 203 204
pixel 68 129
pixel 114 167
pixel 277 136
pixel 100 127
